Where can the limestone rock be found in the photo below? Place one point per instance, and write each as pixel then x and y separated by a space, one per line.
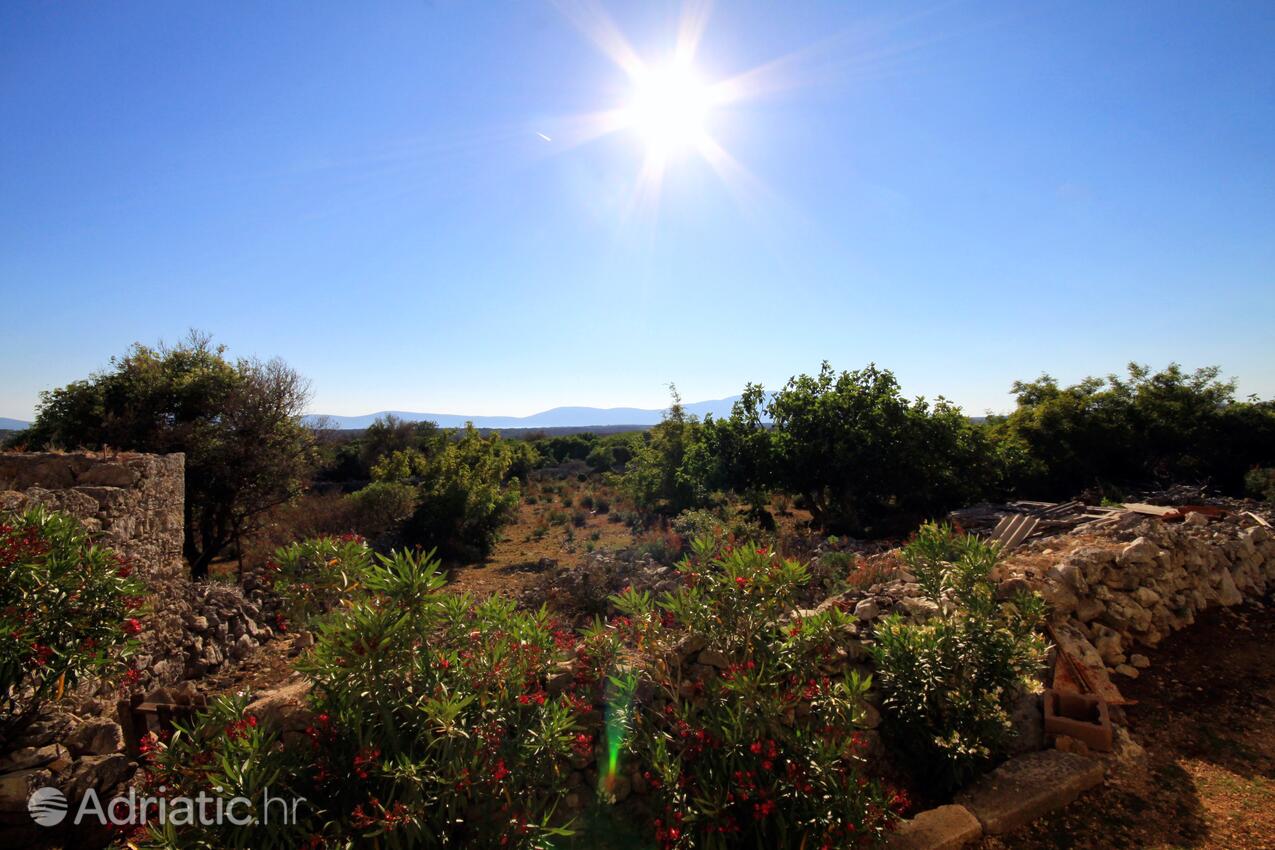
pixel 1028 786
pixel 97 737
pixel 944 828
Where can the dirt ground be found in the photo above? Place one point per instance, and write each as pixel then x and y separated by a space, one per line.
pixel 545 535
pixel 1206 718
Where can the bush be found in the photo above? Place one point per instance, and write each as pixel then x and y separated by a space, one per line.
pixel 461 742
pixel 764 754
pixel 231 751
pixel 1259 483
pixel 66 612
pixel 465 488
pixel 382 506
pixel 948 683
pixel 314 576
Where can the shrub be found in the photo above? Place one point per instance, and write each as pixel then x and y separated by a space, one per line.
pixel 763 754
pixel 948 683
pixel 586 502
pixel 1259 483
pixel 602 505
pixel 461 742
pixel 231 751
pixel 579 518
pixel 66 612
pixel 466 493
pixel 313 576
pixel 382 506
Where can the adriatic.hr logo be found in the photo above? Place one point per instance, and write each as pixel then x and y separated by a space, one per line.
pixel 49 807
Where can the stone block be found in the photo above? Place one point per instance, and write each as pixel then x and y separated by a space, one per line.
pixel 1027 787
pixel 944 828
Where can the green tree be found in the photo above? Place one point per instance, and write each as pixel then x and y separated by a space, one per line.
pixel 860 453
pixel 1151 427
pixel 238 423
pixel 654 477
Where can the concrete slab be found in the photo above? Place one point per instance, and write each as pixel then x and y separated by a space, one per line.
pixel 944 828
pixel 1028 786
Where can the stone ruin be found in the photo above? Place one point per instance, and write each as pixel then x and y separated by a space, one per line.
pixel 135 504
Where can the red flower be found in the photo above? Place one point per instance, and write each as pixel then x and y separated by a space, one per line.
pixel 500 772
pixel 132 626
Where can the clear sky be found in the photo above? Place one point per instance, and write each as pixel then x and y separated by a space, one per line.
pixel 401 198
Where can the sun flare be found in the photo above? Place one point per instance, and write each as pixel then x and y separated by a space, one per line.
pixel 669 108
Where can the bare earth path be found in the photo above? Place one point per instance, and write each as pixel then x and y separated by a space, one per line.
pixel 1206 717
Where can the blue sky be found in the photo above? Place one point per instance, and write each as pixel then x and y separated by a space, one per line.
pixel 966 193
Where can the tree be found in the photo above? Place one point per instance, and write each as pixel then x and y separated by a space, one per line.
pixel 860 453
pixel 1151 427
pixel 654 478
pixel 238 424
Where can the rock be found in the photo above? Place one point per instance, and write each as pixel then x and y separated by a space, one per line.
pixel 16 787
pixel 1089 609
pixel 1141 552
pixel 690 645
pixel 1028 786
pixel 867 609
pixel 26 758
pixel 1012 587
pixel 1108 643
pixel 918 608
pixel 1228 593
pixel 100 772
pixel 871 716
pixel 1127 670
pixel 185 692
pixel 1195 518
pixel 284 709
pixel 1140 661
pixel 713 658
pixel 97 737
pixel 944 828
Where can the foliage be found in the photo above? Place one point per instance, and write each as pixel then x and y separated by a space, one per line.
pixel 860 453
pixel 461 743
pixel 312 577
pixel 764 753
pixel 1162 427
pixel 66 612
pixel 465 485
pixel 654 477
pixel 238 424
pixel 948 683
pixel 382 506
pixel 231 751
pixel 1259 483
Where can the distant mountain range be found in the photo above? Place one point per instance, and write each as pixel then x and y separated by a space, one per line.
pixel 558 417
pixel 12 424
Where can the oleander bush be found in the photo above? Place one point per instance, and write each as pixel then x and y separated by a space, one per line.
pixel 67 612
pixel 226 753
pixel 948 683
pixel 434 726
pixel 762 752
pixel 314 576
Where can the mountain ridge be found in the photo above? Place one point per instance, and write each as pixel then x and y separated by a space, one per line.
pixel 554 417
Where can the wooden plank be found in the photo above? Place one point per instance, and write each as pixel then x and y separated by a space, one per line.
pixel 1026 526
pixel 1150 510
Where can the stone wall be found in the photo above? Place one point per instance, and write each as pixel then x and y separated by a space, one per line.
pixel 1152 579
pixel 135 501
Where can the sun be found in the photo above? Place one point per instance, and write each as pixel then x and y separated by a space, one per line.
pixel 669 107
